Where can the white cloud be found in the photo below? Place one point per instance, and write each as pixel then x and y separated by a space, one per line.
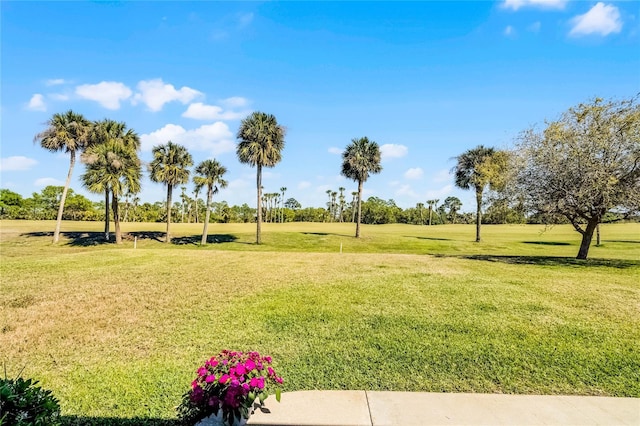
pixel 42 182
pixel 106 93
pixel 535 27
pixel 406 190
pixel 58 96
pixel 441 176
pixel 235 102
pixel 439 193
pixel 390 150
pixel 155 93
pixel 509 30
pixel 36 103
pixel 16 163
pixel 542 4
pixel 304 185
pixel 239 184
pixel 245 19
pixel 215 138
pixel 414 173
pixel 200 111
pixel 54 82
pixel 336 151
pixel 602 19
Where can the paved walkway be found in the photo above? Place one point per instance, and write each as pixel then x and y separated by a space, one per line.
pixel 365 408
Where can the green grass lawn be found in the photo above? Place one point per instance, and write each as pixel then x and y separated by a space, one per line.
pixel 118 332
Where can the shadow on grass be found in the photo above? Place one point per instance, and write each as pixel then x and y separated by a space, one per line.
pixel 547 243
pixel 83 239
pixel 114 421
pixel 325 234
pixel 429 238
pixel 211 239
pixel 145 235
pixel 555 261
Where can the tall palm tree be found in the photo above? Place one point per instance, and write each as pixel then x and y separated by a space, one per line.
pixel 342 203
pixel 478 168
pixel 112 167
pixel 360 159
pixel 110 130
pixel 261 141
pixel 354 194
pixel 170 166
pixel 334 205
pixel 209 173
pixel 432 204
pixel 282 191
pixel 68 132
pixel 420 206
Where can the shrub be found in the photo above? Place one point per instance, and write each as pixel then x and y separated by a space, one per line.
pixel 24 403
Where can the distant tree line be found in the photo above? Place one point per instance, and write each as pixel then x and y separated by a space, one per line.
pixel 582 169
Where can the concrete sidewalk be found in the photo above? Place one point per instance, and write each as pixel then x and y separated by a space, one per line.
pixel 365 408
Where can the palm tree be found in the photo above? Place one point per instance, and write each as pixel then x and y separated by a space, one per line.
pixel 453 204
pixel 170 166
pixel 342 203
pixel 209 173
pixel 261 141
pixel 102 132
pixel 420 206
pixel 360 159
pixel 477 168
pixel 68 132
pixel 334 205
pixel 112 167
pixel 431 204
pixel 282 190
pixel 354 194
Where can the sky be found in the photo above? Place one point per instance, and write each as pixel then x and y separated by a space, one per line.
pixel 425 80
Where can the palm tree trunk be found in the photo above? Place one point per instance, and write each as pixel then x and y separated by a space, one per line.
pixel 169 190
pixel 478 214
pixel 430 213
pixel 587 236
pixel 116 217
pixel 259 213
pixel 63 198
pixel 359 209
pixel 106 214
pixel 203 241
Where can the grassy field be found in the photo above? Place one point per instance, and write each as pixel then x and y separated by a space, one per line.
pixel 118 332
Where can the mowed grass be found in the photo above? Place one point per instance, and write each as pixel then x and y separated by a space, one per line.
pixel 118 332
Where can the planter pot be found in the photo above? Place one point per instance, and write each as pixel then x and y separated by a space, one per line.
pixel 216 420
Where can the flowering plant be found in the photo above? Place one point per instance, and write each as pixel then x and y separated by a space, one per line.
pixel 227 385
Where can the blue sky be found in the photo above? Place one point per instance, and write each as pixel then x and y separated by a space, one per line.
pixel 426 80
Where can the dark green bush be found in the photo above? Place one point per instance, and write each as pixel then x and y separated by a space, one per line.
pixel 24 403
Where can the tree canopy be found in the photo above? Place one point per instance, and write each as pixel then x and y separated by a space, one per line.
pixel 582 165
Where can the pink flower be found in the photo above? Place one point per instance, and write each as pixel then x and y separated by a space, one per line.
pixel 279 380
pixel 250 365
pixel 261 382
pixel 271 372
pixel 240 370
pixel 224 379
pixel 202 371
pixel 195 384
pixel 254 382
pixel 210 378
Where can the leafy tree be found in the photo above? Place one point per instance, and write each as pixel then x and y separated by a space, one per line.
pixel 209 173
pixel 477 169
pixel 68 132
pixel 583 165
pixel 454 205
pixel 113 166
pixel 360 159
pixel 292 204
pixel 261 141
pixel 170 166
pixel 10 203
